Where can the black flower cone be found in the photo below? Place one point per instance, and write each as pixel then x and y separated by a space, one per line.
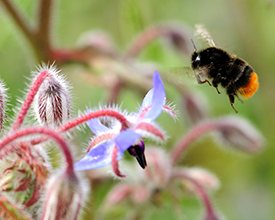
pixel 138 152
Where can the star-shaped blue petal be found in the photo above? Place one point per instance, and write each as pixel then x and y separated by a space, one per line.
pixel 97 157
pixel 156 98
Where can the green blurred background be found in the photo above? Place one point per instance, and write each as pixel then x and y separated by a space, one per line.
pixel 246 27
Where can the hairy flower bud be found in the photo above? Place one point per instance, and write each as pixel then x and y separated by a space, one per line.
pixel 51 103
pixel 195 108
pixel 119 193
pixel 98 40
pixel 239 133
pixel 64 197
pixel 179 38
pixel 141 194
pixel 159 167
pixel 24 174
pixel 207 179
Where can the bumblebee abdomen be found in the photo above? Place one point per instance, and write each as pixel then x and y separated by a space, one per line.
pixel 251 86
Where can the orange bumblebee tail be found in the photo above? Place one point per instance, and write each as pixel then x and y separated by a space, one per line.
pixel 251 87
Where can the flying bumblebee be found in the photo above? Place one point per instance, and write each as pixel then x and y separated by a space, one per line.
pixel 234 74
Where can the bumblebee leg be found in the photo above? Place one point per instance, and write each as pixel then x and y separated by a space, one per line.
pixel 232 99
pixel 239 98
pixel 216 86
pixel 204 81
pixel 234 108
pixel 201 81
pixel 215 83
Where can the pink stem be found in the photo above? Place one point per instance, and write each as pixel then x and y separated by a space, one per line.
pixel 190 137
pixel 27 104
pixel 174 33
pixel 115 163
pixel 144 39
pixel 46 131
pixel 100 113
pixel 2 110
pixel 210 213
pixel 115 91
pixel 84 118
pixel 62 56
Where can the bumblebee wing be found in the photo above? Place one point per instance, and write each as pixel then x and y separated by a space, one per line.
pixel 180 74
pixel 202 33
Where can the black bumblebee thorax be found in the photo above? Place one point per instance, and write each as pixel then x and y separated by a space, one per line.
pixel 211 57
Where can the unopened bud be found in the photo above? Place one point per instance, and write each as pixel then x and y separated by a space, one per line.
pixel 198 188
pixel 25 172
pixel 203 177
pixel 64 198
pixel 195 107
pixel 119 193
pixel 141 194
pixel 159 167
pixel 239 133
pixel 51 102
pixel 98 40
pixel 179 38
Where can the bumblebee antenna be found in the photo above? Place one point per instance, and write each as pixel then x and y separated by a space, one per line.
pixel 195 49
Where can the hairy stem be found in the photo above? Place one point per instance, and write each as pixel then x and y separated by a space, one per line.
pixel 205 198
pixel 192 135
pixel 87 117
pixel 177 35
pixel 96 114
pixel 115 91
pixel 143 40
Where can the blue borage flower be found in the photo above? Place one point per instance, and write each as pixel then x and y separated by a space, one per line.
pixel 110 142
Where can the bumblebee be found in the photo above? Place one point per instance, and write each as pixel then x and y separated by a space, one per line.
pixel 234 74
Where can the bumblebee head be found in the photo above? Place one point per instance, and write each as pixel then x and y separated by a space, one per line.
pixel 195 60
